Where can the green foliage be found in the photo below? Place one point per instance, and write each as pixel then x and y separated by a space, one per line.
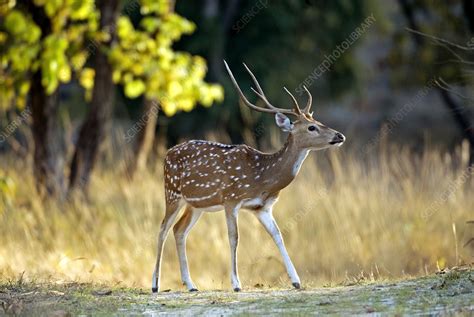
pixel 19 38
pixel 145 63
pixel 143 59
pixel 26 49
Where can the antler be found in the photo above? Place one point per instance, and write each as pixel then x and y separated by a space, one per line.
pixel 259 92
pixel 309 103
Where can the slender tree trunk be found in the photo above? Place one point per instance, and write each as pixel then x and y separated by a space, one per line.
pixel 217 47
pixel 93 129
pixel 145 136
pixel 468 8
pixel 462 120
pixel 219 19
pixel 48 162
pixel 459 114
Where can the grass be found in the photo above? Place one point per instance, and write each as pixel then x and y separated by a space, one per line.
pixel 345 220
pixel 439 294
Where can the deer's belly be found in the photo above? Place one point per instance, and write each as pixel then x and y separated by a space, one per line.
pixel 249 203
pixel 253 203
pixel 210 208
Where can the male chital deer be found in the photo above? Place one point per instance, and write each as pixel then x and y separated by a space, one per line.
pixel 209 176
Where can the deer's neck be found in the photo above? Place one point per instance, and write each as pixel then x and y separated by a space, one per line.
pixel 282 167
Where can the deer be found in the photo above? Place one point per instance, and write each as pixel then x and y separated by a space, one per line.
pixel 204 176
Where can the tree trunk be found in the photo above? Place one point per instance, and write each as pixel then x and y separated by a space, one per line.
pixel 145 137
pixel 219 19
pixel 48 163
pixel 93 129
pixel 468 8
pixel 460 115
pixel 223 18
pixel 462 120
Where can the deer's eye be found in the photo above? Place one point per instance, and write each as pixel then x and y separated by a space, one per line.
pixel 313 128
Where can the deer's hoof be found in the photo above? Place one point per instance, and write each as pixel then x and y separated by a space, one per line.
pixel 193 290
pixel 297 285
pixel 237 289
pixel 154 289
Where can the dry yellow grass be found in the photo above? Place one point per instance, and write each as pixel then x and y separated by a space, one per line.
pixel 394 215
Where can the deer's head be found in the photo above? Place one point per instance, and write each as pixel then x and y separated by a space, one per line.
pixel 307 132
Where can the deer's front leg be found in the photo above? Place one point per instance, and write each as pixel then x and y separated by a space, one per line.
pixel 266 219
pixel 231 213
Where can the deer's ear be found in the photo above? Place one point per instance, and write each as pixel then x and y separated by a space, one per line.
pixel 283 122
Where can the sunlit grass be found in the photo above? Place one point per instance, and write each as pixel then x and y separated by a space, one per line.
pixel 343 218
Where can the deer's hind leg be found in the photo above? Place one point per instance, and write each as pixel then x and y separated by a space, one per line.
pixel 172 210
pixel 181 230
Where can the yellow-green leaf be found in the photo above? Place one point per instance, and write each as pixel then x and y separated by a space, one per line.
pixel 134 88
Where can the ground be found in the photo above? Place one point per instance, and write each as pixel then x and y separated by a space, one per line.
pixel 448 292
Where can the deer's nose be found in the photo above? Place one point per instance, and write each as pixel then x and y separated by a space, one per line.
pixel 338 138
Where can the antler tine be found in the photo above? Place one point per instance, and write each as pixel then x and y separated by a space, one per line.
pixel 296 108
pixel 260 92
pixel 309 103
pixel 242 96
pixel 262 96
pixel 281 110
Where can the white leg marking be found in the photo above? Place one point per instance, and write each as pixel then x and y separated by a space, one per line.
pixel 267 220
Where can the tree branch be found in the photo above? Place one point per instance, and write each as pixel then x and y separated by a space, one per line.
pixel 440 40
